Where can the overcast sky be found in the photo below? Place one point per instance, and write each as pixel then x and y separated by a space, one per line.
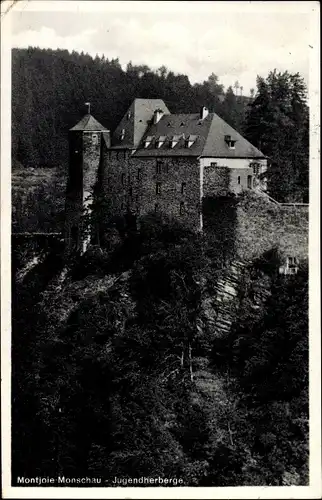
pixel 194 38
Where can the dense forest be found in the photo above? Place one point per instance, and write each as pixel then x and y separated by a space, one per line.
pixel 50 87
pixel 121 380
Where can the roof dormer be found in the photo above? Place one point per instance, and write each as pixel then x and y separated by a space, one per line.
pixel 190 140
pixel 157 115
pixel 148 140
pixel 230 141
pixel 174 140
pixel 160 141
pixel 203 112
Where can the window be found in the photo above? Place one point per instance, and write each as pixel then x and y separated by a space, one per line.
pixel 256 168
pixel 291 261
pixel 122 134
pixel 129 115
pixel 182 208
pixel 131 191
pixel 158 188
pixel 290 267
pixel 122 206
pixel 159 167
pixel 230 142
pixel 137 199
pixel 238 179
pixel 139 174
pixel 123 179
pixel 249 181
pixel 157 208
pixel 94 139
pixel 183 188
pixel 214 164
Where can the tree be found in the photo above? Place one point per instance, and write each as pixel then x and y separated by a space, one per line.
pixel 214 86
pixel 278 123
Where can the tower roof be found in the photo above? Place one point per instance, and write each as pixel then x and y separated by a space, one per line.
pixel 88 123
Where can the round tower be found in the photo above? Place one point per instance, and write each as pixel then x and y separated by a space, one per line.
pixel 85 141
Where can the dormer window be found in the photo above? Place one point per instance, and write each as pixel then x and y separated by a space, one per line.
pixel 148 141
pixel 190 140
pixel 129 115
pixel 174 141
pixel 230 142
pixel 160 141
pixel 122 135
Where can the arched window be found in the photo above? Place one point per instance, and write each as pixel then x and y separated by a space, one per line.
pixel 94 139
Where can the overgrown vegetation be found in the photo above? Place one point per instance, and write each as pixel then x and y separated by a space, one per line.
pixel 121 382
pixel 277 122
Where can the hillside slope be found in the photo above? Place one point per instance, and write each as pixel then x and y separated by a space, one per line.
pixel 128 375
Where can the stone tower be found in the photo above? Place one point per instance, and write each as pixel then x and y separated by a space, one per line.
pixel 85 145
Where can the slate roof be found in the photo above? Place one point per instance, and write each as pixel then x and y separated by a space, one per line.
pixel 216 146
pixel 209 135
pixel 135 122
pixel 88 123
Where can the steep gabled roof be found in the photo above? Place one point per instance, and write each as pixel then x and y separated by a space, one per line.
pixel 180 125
pixel 208 134
pixel 216 146
pixel 135 122
pixel 88 123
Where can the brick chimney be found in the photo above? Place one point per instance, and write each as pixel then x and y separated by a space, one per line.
pixel 157 115
pixel 203 112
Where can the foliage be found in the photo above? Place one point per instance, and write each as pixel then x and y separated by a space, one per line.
pixel 121 382
pixel 278 124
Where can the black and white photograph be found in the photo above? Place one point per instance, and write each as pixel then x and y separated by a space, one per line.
pixel 160 249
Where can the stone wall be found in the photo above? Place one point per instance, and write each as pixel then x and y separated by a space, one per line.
pixel 262 225
pixel 249 225
pixel 91 162
pixel 220 181
pixel 84 164
pixel 115 179
pixel 143 185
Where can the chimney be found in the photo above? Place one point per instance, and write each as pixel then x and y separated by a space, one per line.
pixel 203 112
pixel 157 115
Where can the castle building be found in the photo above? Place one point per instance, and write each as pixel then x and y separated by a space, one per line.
pixel 159 162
